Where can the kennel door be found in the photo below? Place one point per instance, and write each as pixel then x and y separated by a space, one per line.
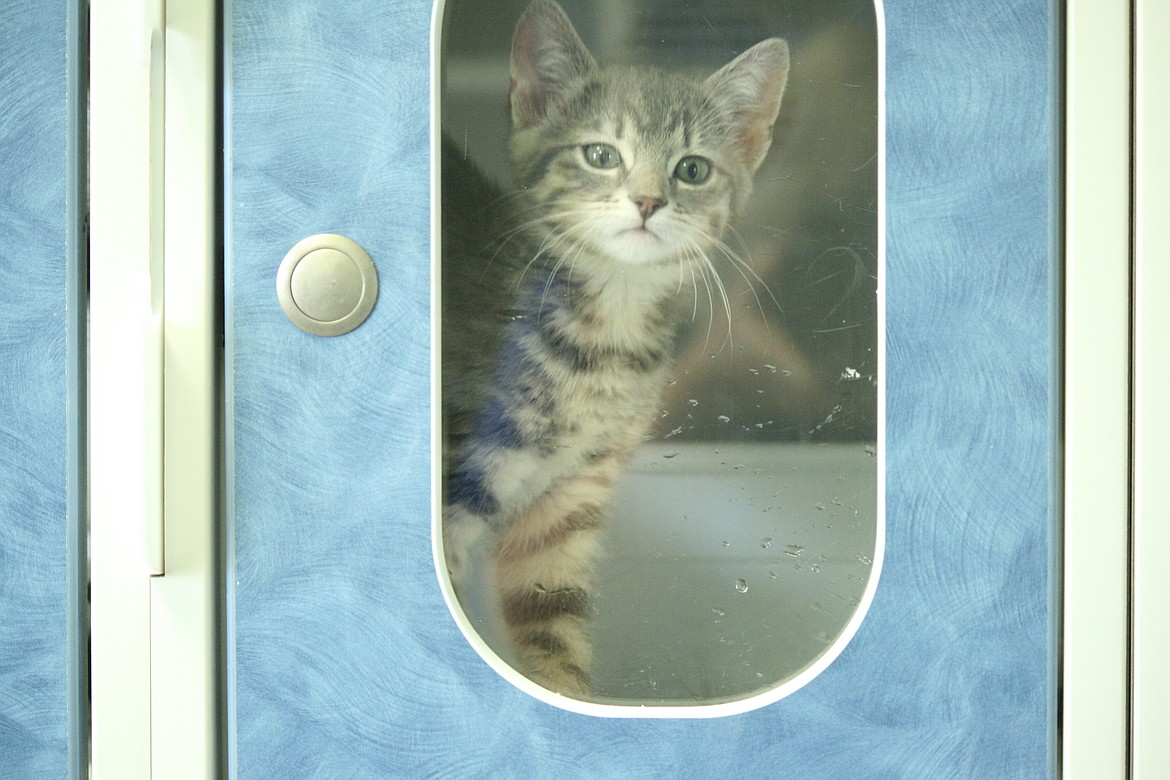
pixel 343 657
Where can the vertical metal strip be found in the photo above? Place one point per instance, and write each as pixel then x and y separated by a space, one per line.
pixel 1058 37
pixel 125 379
pixel 227 549
pixel 184 612
pixel 76 249
pixel 1150 705
pixel 1096 501
pixel 1131 95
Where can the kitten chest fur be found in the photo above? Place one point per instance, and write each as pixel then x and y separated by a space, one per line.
pixel 579 375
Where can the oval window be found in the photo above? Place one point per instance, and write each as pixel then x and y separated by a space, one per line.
pixel 658 243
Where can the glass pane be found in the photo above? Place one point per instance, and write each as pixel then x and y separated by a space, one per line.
pixel 660 386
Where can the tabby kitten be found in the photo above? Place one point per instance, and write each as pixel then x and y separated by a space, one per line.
pixel 561 303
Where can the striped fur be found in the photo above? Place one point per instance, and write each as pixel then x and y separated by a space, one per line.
pixel 561 302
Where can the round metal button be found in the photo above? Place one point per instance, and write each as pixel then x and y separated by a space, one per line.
pixel 327 285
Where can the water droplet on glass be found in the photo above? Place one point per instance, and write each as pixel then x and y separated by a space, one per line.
pixel 755 371
pixel 772 575
pixel 870 450
pixel 865 559
pixel 793 549
pixel 725 543
pixel 669 455
pixel 770 368
pixel 693 401
pixel 814 567
pixel 766 542
pixel 741 585
pixel 724 418
pixel 821 507
pixel 719 611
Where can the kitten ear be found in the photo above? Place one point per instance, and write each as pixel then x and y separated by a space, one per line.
pixel 548 59
pixel 749 89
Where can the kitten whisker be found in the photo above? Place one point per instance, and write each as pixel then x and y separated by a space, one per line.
pixel 711 275
pixel 710 298
pixel 577 247
pixel 744 268
pixel 510 195
pixel 581 250
pixel 504 238
pixel 542 250
pixel 549 243
pixel 548 285
pixel 736 263
pixel 738 237
pixel 575 250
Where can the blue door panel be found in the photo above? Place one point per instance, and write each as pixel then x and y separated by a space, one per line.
pixel 344 659
pixel 38 695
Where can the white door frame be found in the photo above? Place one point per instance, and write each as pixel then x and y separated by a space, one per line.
pixel 1150 703
pixel 154 389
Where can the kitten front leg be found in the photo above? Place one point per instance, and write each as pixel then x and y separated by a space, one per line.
pixel 463 532
pixel 544 564
pixel 540 513
pixel 486 487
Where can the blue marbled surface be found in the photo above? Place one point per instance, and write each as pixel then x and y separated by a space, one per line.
pixel 34 696
pixel 346 661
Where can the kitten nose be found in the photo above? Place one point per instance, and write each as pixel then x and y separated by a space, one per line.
pixel 647 205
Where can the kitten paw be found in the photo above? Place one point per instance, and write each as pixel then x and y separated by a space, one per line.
pixel 462 536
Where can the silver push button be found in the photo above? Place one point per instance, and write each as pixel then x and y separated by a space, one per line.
pixel 327 285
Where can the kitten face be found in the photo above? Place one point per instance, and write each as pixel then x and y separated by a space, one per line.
pixel 637 166
pixel 618 181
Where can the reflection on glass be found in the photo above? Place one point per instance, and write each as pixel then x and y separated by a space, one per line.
pixel 659 386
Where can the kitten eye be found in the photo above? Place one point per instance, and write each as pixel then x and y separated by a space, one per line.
pixel 693 170
pixel 602 156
